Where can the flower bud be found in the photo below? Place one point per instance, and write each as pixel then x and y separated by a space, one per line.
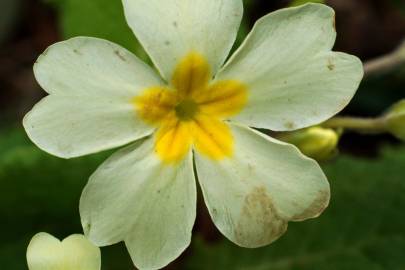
pixel 315 142
pixel 395 120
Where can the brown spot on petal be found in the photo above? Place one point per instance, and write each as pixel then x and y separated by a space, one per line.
pixel 289 125
pixel 76 51
pixel 259 223
pixel 331 66
pixel 120 56
pixel 315 208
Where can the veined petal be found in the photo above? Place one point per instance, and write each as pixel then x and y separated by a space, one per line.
pixel 155 104
pixel 45 252
pixel 92 83
pixel 136 198
pixel 212 137
pixel 266 183
pixel 85 66
pixel 294 79
pixel 67 126
pixel 171 29
pixel 222 99
pixel 173 140
pixel 192 74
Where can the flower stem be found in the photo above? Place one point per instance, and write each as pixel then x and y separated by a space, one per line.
pixel 386 62
pixel 363 125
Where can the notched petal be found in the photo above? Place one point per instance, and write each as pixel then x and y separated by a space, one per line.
pixel 259 223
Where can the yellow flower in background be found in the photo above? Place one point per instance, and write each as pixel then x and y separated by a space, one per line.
pixel 75 252
pixel 198 112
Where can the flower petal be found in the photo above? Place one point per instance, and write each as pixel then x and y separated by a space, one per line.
pixel 171 29
pixel 81 253
pixel 222 99
pixel 211 137
pixel 266 183
pixel 45 252
pixel 92 83
pixel 136 198
pixel 67 126
pixel 173 140
pixel 85 66
pixel 294 79
pixel 39 250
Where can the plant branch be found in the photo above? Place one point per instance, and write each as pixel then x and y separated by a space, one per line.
pixel 363 125
pixel 386 62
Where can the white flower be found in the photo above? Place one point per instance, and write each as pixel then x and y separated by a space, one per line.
pixel 283 77
pixel 45 252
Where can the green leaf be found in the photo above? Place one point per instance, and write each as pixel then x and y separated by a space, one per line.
pixel 97 18
pixel 301 2
pixel 40 192
pixel 363 228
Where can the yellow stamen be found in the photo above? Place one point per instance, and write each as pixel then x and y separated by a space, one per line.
pixel 191 111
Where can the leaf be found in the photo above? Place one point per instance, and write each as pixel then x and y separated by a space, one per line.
pixel 40 192
pixel 301 2
pixel 363 228
pixel 97 18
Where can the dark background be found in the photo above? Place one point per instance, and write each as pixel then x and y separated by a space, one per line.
pixel 364 228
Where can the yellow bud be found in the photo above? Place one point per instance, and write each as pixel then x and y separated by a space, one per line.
pixel 315 142
pixel 395 120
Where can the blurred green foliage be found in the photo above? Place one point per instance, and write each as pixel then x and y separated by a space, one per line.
pixel 400 5
pixel 8 16
pixel 362 229
pixel 40 192
pixel 301 2
pixel 97 18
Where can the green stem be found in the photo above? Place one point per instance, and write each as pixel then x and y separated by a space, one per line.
pixel 386 62
pixel 363 125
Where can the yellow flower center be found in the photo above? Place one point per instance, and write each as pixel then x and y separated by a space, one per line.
pixel 191 111
pixel 186 110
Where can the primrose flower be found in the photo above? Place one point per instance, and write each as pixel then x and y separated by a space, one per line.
pixel 45 252
pixel 195 112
